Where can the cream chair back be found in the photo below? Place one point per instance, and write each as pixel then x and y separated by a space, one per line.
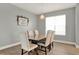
pixel 36 34
pixel 24 41
pixel 53 35
pixel 31 34
pixel 48 37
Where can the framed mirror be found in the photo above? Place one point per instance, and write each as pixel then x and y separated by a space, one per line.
pixel 22 21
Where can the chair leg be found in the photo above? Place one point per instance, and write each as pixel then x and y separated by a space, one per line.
pixel 36 51
pixel 49 47
pixel 21 51
pixel 45 51
pixel 52 44
pixel 29 52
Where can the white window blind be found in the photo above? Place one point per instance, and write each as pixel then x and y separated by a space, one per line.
pixel 57 24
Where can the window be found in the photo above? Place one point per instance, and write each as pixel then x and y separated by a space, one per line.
pixel 57 24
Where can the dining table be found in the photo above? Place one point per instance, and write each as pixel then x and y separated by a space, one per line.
pixel 35 40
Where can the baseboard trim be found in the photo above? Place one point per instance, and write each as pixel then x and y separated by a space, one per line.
pixel 76 45
pixel 8 46
pixel 14 44
pixel 67 42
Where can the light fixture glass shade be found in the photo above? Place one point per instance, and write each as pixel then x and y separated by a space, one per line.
pixel 42 16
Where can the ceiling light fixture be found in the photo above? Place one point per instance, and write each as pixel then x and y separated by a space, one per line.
pixel 42 17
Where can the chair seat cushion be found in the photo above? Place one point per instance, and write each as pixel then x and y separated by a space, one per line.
pixel 31 47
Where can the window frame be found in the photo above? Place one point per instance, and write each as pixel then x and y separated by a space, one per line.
pixel 55 28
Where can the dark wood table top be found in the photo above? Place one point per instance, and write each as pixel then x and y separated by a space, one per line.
pixel 40 37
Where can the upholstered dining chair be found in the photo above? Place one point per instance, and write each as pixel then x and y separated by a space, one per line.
pixel 31 34
pixel 26 45
pixel 46 42
pixel 52 38
pixel 36 33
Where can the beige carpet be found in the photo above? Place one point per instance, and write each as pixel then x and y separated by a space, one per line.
pixel 59 49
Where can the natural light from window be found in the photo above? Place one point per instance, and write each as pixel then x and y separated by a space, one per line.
pixel 57 24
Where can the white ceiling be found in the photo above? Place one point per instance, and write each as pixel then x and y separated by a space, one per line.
pixel 39 8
